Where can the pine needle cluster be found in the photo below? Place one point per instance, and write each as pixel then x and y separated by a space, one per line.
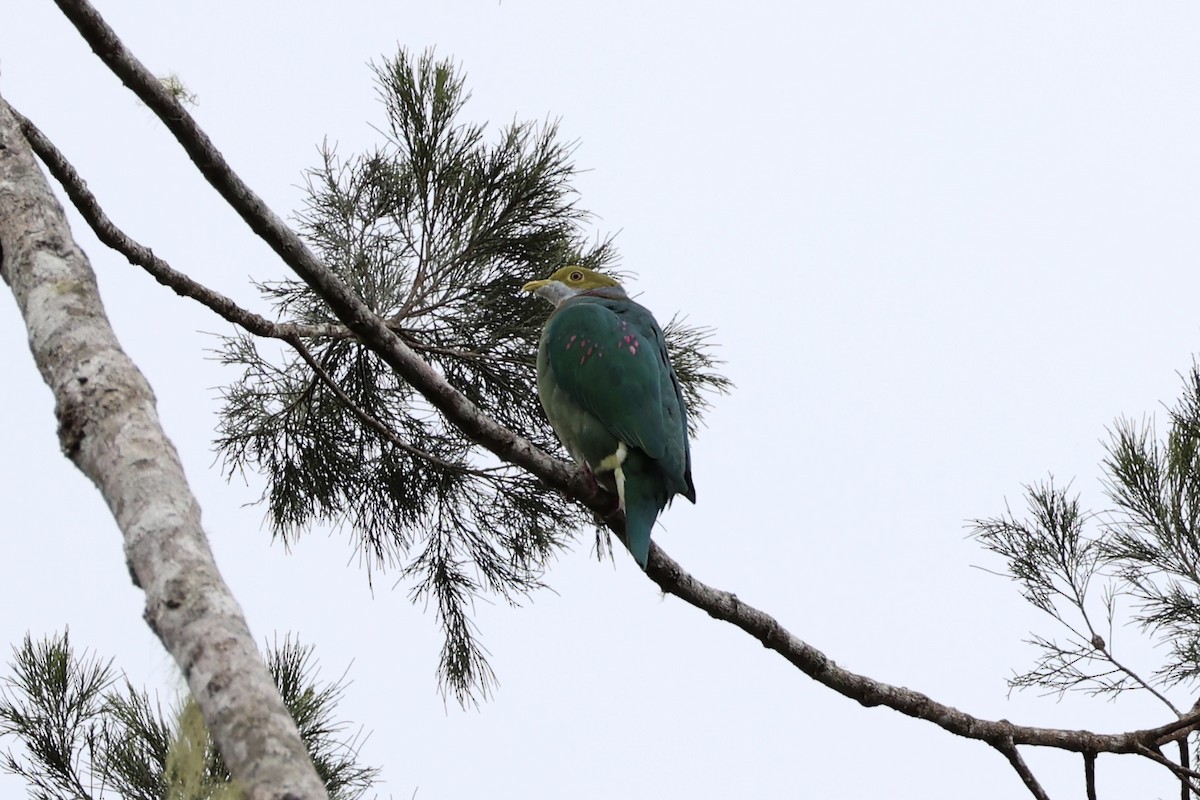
pixel 437 229
pixel 85 733
pixel 1135 564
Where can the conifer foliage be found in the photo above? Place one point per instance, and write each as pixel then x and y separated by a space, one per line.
pixel 437 229
pixel 84 732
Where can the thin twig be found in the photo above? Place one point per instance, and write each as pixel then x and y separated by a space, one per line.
pixel 1089 774
pixel 1185 761
pixel 1104 648
pixel 88 206
pixel 1186 775
pixel 1010 752
pixel 139 255
pixel 1181 728
pixel 377 426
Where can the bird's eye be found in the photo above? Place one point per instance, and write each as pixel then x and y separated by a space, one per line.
pixel 576 275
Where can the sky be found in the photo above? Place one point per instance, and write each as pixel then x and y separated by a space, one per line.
pixel 943 245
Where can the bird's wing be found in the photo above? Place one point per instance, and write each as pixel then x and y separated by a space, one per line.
pixel 603 359
pixel 677 459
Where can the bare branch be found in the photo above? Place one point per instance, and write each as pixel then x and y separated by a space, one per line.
pixel 1099 643
pixel 139 255
pixel 88 206
pixel 109 428
pixel 1186 775
pixel 1010 752
pixel 1185 761
pixel 672 578
pixel 1089 774
pixel 1181 728
pixel 106 231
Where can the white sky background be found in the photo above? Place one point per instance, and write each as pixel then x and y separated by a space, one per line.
pixel 944 245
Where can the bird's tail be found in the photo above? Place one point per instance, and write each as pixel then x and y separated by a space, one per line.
pixel 645 498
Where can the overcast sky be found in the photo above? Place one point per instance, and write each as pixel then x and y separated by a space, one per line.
pixel 943 245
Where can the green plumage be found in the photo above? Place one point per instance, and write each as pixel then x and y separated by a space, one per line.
pixel 612 396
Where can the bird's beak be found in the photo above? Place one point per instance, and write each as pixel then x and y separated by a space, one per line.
pixel 533 286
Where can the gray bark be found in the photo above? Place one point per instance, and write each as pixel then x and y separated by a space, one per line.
pixel 109 427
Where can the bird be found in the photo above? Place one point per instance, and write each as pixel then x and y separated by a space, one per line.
pixel 607 385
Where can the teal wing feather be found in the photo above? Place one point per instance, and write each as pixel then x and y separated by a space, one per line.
pixel 677 460
pixel 602 360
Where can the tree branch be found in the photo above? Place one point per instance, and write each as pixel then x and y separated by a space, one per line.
pixel 109 428
pixel 1099 643
pixel 459 411
pixel 139 255
pixel 1187 777
pixel 1185 761
pixel 374 424
pixel 672 578
pixel 1014 757
pixel 1089 775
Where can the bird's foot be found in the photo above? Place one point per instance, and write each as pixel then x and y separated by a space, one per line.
pixel 600 490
